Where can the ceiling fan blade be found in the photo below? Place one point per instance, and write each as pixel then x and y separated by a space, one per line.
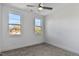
pixel 49 8
pixel 30 6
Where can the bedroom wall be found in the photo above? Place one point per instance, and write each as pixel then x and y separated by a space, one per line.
pixel 62 26
pixel 28 37
pixel 0 28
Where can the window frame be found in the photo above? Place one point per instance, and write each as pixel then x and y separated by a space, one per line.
pixel 15 13
pixel 38 26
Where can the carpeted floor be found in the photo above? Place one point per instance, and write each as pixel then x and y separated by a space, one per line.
pixel 39 50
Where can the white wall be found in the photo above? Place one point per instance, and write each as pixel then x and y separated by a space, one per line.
pixel 62 27
pixel 0 29
pixel 28 37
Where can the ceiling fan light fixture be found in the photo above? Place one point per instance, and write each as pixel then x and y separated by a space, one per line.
pixel 40 8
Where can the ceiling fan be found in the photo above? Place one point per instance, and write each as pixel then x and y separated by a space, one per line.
pixel 40 7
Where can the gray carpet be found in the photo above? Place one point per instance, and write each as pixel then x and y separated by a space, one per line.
pixel 39 50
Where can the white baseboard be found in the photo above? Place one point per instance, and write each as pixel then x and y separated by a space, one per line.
pixel 21 46
pixel 65 48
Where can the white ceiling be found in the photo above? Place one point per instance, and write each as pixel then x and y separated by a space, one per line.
pixel 35 9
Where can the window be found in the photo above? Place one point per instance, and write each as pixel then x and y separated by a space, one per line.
pixel 14 24
pixel 38 26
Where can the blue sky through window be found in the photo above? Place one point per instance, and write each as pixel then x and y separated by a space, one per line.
pixel 37 22
pixel 14 19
